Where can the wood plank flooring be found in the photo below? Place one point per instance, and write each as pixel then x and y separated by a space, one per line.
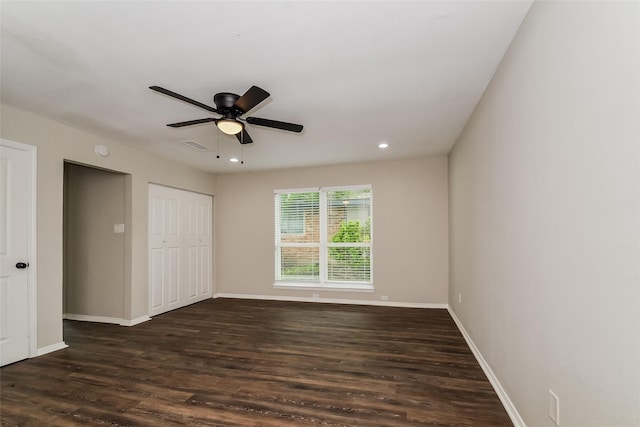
pixel 231 362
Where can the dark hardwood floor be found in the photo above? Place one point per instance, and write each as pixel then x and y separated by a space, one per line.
pixel 228 362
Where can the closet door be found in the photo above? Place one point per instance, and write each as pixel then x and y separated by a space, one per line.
pixel 197 244
pixel 180 244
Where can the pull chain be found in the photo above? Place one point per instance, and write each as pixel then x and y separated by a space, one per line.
pixel 217 143
pixel 242 148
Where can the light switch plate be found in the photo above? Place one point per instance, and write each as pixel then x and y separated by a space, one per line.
pixel 118 228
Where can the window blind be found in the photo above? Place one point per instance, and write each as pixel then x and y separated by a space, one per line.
pixel 324 236
pixel 298 236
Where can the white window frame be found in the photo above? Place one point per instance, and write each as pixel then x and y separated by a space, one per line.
pixel 322 283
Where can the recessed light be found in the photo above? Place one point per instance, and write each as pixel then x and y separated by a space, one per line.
pixel 234 160
pixel 383 145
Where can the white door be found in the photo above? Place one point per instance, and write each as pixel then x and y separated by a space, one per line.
pixel 16 227
pixel 180 245
pixel 198 247
pixel 165 243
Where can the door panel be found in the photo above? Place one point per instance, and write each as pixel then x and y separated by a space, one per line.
pixel 156 278
pixel 192 271
pixel 204 284
pixel 156 210
pixel 15 222
pixel 173 218
pixel 173 276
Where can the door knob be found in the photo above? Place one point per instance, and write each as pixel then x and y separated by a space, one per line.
pixel 22 265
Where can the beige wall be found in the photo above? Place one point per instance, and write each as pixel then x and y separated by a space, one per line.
pixel 94 256
pixel 55 143
pixel 545 216
pixel 410 249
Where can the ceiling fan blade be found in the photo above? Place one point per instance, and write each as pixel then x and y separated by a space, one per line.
pixel 251 98
pixel 291 127
pixel 243 137
pixel 191 122
pixel 183 98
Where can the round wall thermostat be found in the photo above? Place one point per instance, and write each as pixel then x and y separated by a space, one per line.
pixel 102 150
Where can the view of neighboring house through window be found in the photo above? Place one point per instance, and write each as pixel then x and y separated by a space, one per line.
pixel 323 237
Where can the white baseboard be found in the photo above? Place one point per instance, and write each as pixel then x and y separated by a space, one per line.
pixel 135 321
pixel 51 348
pixel 103 319
pixel 333 300
pixel 97 319
pixel 516 419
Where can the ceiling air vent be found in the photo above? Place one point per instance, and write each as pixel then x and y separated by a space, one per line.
pixel 195 146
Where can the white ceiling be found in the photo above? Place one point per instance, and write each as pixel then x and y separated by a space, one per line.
pixel 353 73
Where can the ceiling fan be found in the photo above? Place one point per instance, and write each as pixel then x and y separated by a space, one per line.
pixel 231 107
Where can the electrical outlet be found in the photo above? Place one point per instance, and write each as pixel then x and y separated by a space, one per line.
pixel 384 297
pixel 315 295
pixel 554 407
pixel 459 297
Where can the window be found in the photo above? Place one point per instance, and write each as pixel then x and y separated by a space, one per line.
pixel 323 237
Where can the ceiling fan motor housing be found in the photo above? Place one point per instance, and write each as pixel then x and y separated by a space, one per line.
pixel 225 103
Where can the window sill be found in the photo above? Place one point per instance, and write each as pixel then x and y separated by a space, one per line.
pixel 339 287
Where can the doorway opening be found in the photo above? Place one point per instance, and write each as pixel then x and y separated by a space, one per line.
pixel 96 244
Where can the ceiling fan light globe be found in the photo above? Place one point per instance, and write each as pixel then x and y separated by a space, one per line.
pixel 230 127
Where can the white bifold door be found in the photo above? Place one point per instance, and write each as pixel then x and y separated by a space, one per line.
pixel 180 242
